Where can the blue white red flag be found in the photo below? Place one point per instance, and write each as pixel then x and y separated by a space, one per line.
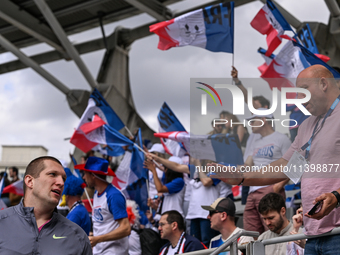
pixel 168 122
pixel 305 36
pixel 211 28
pixel 221 148
pixel 267 59
pixel 112 150
pixel 289 62
pixel 131 176
pixel 15 188
pixel 269 21
pixel 313 59
pixel 2 183
pixel 97 113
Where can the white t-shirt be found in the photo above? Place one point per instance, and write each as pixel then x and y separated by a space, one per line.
pixel 217 241
pixel 109 207
pixel 173 200
pixel 248 152
pixel 225 189
pixel 201 195
pixel 134 244
pixel 268 149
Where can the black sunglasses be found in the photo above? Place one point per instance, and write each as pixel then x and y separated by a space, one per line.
pixel 211 213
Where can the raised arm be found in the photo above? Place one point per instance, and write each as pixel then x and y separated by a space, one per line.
pixel 159 185
pixel 234 74
pixel 170 164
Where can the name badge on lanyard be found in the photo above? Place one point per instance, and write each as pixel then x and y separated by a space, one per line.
pixel 296 167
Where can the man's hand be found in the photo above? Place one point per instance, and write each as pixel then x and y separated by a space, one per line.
pixel 93 240
pixel 234 74
pixel 329 203
pixel 297 219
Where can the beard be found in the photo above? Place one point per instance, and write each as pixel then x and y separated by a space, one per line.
pixel 278 225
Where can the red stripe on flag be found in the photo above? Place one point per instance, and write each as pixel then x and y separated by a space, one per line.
pixel 165 40
pixel 79 140
pixel 94 124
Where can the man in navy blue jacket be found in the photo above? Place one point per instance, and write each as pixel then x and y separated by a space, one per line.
pixel 172 227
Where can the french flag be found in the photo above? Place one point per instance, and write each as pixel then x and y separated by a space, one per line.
pixel 211 28
pixel 2 183
pixel 97 114
pixel 15 188
pixel 168 122
pixel 289 62
pixel 269 21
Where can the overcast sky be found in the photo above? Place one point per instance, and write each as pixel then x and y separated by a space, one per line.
pixel 34 112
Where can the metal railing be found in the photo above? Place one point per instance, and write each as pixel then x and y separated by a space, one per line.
pixel 257 247
pixel 232 242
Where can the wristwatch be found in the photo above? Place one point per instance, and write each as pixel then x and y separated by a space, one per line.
pixel 337 195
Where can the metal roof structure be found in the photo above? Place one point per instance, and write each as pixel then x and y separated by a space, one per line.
pixel 29 22
pixel 23 23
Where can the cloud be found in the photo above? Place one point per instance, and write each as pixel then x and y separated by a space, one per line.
pixel 34 112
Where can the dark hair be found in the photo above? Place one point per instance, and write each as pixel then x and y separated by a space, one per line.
pixel 171 175
pixel 36 166
pixel 271 202
pixel 175 216
pixel 263 101
pixel 336 69
pixel 224 113
pixel 15 170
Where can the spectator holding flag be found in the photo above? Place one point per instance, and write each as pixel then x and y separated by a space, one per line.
pixel 111 226
pixel 73 189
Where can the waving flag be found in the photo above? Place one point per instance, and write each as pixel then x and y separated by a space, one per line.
pixel 291 60
pixel 15 188
pixel 211 28
pixel 267 59
pixel 120 181
pixel 97 114
pixel 313 59
pixel 221 148
pixel 306 37
pixel 269 21
pixel 131 176
pixel 168 122
pixel 2 183
pixel 112 150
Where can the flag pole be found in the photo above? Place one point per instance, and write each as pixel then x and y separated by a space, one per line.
pixel 86 193
pixel 147 187
pixel 88 198
pixel 128 130
pixel 140 147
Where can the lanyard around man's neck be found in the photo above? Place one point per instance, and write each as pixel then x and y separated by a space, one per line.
pixel 308 145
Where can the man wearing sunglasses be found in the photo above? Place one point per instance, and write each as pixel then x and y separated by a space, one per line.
pixel 222 219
